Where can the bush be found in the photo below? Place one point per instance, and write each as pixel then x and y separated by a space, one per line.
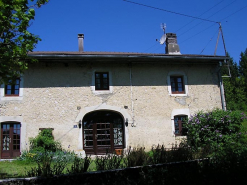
pixel 44 142
pixel 215 129
pixel 80 165
pixel 136 157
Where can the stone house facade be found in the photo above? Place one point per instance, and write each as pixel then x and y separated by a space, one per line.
pixel 101 101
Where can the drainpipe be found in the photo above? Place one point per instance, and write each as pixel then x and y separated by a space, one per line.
pixel 131 96
pixel 223 100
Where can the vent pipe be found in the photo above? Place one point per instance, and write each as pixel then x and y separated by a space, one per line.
pixel 80 41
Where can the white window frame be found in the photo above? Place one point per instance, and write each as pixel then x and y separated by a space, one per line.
pixel 102 91
pixel 12 98
pixel 185 82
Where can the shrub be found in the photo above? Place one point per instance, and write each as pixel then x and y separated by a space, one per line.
pixel 80 165
pixel 215 129
pixel 44 142
pixel 109 162
pixel 136 157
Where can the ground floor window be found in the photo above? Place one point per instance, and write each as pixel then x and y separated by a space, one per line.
pixel 103 132
pixel 179 125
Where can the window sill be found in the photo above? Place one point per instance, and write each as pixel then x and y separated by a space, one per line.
pixel 11 98
pixel 178 94
pixel 98 92
pixel 180 137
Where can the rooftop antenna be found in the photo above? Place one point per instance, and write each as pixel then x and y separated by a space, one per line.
pixel 163 38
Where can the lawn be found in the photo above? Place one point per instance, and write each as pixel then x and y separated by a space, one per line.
pixel 17 168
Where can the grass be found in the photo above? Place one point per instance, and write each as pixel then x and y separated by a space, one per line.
pixel 18 169
pixel 15 168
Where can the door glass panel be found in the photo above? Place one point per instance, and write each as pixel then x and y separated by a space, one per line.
pixel 16 136
pixel 118 131
pixel 103 134
pixel 6 137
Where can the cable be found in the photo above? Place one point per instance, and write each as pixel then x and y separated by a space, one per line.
pixel 233 13
pixel 199 16
pixel 170 11
pixel 207 18
pixel 208 42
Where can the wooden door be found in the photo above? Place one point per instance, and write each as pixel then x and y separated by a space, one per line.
pixel 10 140
pixel 103 138
pixel 102 132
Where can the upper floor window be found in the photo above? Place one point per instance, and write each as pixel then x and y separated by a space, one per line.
pixel 13 89
pixel 101 81
pixel 177 84
pixel 179 125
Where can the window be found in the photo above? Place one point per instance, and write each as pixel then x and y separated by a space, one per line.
pixel 13 89
pixel 101 81
pixel 179 123
pixel 177 84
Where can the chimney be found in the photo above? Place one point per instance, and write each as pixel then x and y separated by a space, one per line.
pixel 80 41
pixel 171 44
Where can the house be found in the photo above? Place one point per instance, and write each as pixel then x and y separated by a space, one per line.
pixel 101 101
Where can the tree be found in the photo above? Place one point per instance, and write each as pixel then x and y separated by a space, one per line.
pixel 234 87
pixel 15 40
pixel 243 67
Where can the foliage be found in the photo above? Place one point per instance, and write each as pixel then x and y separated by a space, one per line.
pixel 50 163
pixel 15 39
pixel 80 165
pixel 136 157
pixel 108 162
pixel 235 87
pixel 160 154
pixel 44 142
pixel 215 129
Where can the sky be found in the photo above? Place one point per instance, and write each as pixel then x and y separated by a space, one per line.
pixel 135 25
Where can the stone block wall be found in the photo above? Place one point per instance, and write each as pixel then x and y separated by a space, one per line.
pixel 58 96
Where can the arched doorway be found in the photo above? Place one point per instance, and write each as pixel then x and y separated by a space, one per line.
pixel 103 132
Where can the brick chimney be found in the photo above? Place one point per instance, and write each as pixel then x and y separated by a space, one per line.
pixel 80 41
pixel 171 44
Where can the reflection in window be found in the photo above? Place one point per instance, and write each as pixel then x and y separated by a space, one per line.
pixel 12 89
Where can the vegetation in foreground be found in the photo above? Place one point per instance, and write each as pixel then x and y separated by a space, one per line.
pixel 219 136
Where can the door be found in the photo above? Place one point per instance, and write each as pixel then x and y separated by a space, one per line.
pixel 10 140
pixel 103 132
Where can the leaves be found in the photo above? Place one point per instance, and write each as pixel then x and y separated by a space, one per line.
pixel 15 40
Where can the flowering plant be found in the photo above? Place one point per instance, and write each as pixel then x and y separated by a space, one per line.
pixel 215 129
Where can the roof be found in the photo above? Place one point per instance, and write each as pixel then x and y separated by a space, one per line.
pixel 85 56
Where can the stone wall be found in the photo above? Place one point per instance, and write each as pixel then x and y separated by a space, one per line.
pixel 58 96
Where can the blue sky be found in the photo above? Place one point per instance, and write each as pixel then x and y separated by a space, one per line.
pixel 122 26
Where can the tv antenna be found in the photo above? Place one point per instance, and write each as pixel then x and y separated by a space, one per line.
pixel 163 38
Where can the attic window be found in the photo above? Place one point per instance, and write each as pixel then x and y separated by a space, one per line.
pixel 177 84
pixel 101 81
pixel 12 89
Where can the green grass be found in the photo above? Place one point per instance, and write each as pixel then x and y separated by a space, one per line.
pixel 15 168
pixel 18 169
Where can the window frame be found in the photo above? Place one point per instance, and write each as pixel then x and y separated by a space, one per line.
pixel 176 82
pixel 180 121
pixel 12 88
pixel 102 83
pixel 185 83
pixel 19 97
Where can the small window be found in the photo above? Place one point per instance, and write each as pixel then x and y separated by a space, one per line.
pixel 12 89
pixel 177 84
pixel 101 81
pixel 179 125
